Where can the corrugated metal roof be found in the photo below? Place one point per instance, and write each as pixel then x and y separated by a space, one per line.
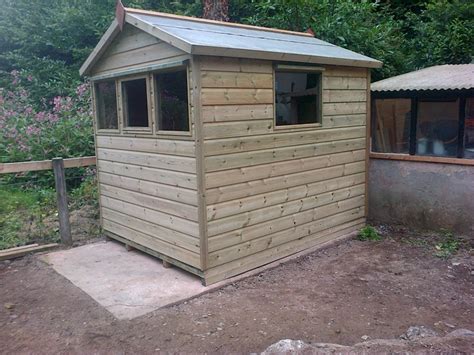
pixel 439 77
pixel 213 38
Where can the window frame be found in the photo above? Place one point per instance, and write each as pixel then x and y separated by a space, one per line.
pixel 95 103
pixel 157 106
pixel 125 127
pixel 415 97
pixel 298 69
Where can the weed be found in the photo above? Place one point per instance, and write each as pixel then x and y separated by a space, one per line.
pixel 448 245
pixel 368 233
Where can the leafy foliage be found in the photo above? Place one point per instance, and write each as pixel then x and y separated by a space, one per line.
pixel 448 245
pixel 368 233
pixel 64 130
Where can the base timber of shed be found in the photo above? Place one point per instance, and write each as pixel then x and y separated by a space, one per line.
pixel 256 263
pixel 156 254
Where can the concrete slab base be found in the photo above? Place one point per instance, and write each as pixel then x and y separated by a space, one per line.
pixel 131 283
pixel 127 283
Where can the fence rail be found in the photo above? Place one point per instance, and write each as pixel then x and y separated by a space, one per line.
pixel 57 165
pixel 25 166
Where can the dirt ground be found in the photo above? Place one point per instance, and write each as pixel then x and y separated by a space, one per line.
pixel 337 295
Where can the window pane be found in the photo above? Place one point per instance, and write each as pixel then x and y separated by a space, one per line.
pixel 135 103
pixel 297 98
pixel 172 88
pixel 392 125
pixel 469 129
pixel 437 128
pixel 106 105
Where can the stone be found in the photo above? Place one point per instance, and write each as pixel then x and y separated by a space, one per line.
pixel 417 332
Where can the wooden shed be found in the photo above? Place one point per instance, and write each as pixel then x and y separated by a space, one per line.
pixel 223 147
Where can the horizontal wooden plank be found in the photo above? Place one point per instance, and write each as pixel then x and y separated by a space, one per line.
pixel 230 208
pixel 421 158
pixel 140 55
pixel 20 167
pixel 213 79
pixel 241 190
pixel 227 64
pixel 237 129
pixel 168 177
pixel 236 96
pixel 355 204
pixel 170 250
pixel 140 67
pixel 236 113
pixel 165 220
pixel 150 188
pixel 236 267
pixel 237 160
pixel 354 168
pixel 178 239
pixel 130 39
pixel 344 96
pixel 344 108
pixel 280 210
pixel 152 160
pixel 159 204
pixel 344 120
pixel 347 83
pixel 13 253
pixel 331 70
pixel 265 171
pixel 149 145
pixel 279 140
pixel 250 247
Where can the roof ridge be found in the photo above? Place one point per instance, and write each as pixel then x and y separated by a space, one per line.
pixel 214 22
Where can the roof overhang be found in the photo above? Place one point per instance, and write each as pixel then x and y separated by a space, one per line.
pixel 138 18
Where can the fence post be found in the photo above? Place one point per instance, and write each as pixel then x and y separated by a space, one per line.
pixel 63 211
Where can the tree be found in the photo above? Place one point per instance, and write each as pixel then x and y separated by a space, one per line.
pixel 215 10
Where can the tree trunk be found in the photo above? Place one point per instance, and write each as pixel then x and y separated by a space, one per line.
pixel 215 10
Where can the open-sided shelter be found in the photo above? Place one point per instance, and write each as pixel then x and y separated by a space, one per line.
pixel 222 147
pixel 422 159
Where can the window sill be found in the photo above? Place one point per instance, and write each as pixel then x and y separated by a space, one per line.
pixel 421 158
pixel 173 133
pixel 107 131
pixel 297 127
pixel 134 130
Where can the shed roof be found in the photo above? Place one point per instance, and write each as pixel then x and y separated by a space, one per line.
pixel 206 37
pixel 438 77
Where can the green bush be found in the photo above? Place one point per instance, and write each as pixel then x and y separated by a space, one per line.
pixel 368 233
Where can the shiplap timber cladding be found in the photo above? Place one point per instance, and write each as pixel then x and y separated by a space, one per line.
pixel 148 184
pixel 271 192
pixel 133 47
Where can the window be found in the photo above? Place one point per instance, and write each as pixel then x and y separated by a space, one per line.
pixel 106 105
pixel 172 100
pixel 392 125
pixel 434 124
pixel 135 103
pixel 297 97
pixel 437 127
pixel 469 129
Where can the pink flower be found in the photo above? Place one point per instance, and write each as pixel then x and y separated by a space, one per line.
pixel 33 130
pixel 29 78
pixel 28 110
pixel 40 116
pixel 82 89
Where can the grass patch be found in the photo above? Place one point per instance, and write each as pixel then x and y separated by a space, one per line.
pixel 448 245
pixel 23 217
pixel 368 233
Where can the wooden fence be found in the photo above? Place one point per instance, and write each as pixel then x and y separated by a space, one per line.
pixel 57 165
